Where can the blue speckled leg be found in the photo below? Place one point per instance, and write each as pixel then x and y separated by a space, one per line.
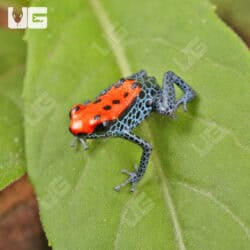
pixel 137 175
pixel 165 101
pixel 189 93
pixel 139 75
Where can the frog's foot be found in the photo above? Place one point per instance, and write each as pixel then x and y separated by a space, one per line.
pixel 133 179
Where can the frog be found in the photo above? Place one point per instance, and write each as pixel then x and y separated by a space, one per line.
pixel 121 107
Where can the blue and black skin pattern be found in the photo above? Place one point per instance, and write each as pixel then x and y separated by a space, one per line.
pixel 151 98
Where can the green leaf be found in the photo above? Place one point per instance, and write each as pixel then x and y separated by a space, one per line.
pixel 195 191
pixel 12 54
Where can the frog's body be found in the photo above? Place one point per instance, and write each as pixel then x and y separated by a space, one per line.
pixel 122 107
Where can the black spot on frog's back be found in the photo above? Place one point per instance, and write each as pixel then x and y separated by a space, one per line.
pixel 107 107
pixel 116 101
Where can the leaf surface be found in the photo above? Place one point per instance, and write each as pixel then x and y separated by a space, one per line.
pixel 195 191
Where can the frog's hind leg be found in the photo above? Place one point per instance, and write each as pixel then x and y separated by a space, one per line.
pixel 139 75
pixel 140 171
pixel 165 101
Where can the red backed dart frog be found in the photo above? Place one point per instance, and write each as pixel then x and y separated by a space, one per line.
pixel 123 106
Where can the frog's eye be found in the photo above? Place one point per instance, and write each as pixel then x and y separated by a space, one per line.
pixel 74 110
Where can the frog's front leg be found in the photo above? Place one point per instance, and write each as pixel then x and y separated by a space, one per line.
pixel 139 172
pixel 165 101
pixel 82 141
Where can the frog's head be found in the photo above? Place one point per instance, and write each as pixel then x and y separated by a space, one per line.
pixel 85 120
pixel 77 126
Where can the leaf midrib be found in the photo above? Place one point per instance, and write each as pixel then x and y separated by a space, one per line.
pixel 124 66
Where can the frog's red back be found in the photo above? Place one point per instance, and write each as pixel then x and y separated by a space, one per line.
pixel 109 106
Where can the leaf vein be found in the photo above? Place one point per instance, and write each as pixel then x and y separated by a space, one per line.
pixel 124 67
pixel 220 204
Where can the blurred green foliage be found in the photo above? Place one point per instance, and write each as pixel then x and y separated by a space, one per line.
pixel 12 67
pixel 237 15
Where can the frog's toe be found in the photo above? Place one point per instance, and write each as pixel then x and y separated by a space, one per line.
pixel 132 189
pixel 184 103
pixel 133 179
pixel 124 171
pixel 118 188
pixel 185 106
